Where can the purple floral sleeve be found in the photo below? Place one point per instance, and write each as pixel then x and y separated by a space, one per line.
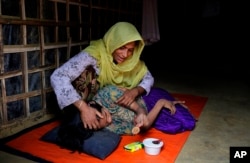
pixel 63 76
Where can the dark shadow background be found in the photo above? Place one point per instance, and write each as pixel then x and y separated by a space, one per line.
pixel 207 37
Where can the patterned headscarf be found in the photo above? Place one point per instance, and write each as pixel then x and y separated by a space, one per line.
pixel 127 74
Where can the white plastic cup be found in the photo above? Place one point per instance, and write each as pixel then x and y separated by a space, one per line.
pixel 152 148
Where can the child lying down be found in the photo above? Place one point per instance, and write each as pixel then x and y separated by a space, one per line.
pixel 157 109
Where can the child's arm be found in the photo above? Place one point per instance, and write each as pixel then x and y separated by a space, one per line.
pixel 137 108
pixel 146 122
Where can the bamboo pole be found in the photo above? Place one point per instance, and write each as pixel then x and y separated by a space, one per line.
pixel 3 107
pixel 24 60
pixel 56 35
pixel 68 29
pixel 80 21
pixel 42 56
pixel 35 47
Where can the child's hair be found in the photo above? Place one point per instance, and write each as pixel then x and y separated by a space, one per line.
pixel 71 134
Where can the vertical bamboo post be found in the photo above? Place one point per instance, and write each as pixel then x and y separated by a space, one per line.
pixel 42 55
pixel 3 99
pixel 68 29
pixel 57 59
pixel 80 21
pixel 90 20
pixel 24 59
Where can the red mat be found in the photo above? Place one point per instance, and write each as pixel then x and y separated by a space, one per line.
pixel 30 143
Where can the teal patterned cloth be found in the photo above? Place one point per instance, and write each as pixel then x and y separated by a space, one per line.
pixel 122 118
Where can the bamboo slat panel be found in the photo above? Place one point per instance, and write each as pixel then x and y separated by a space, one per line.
pixel 57 30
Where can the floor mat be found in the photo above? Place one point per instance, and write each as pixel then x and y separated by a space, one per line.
pixel 30 144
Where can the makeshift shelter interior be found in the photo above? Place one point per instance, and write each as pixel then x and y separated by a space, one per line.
pixel 189 54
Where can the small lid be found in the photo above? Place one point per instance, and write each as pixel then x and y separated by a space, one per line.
pixel 149 143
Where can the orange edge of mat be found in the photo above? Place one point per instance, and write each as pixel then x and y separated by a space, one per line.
pixel 173 144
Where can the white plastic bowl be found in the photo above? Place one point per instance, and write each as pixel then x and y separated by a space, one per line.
pixel 151 148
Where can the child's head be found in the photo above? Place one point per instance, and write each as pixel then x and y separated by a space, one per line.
pixel 102 121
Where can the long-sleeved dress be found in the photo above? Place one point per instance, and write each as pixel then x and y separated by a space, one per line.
pixel 62 78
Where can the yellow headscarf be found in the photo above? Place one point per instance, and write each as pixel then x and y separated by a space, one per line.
pixel 127 74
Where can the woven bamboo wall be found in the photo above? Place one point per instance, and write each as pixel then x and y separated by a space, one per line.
pixel 37 36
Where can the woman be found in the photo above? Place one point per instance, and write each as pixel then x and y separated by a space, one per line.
pixel 116 61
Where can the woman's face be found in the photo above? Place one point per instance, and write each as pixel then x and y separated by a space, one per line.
pixel 122 53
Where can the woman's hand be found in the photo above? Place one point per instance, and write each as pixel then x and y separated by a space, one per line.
pixel 129 96
pixel 89 115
